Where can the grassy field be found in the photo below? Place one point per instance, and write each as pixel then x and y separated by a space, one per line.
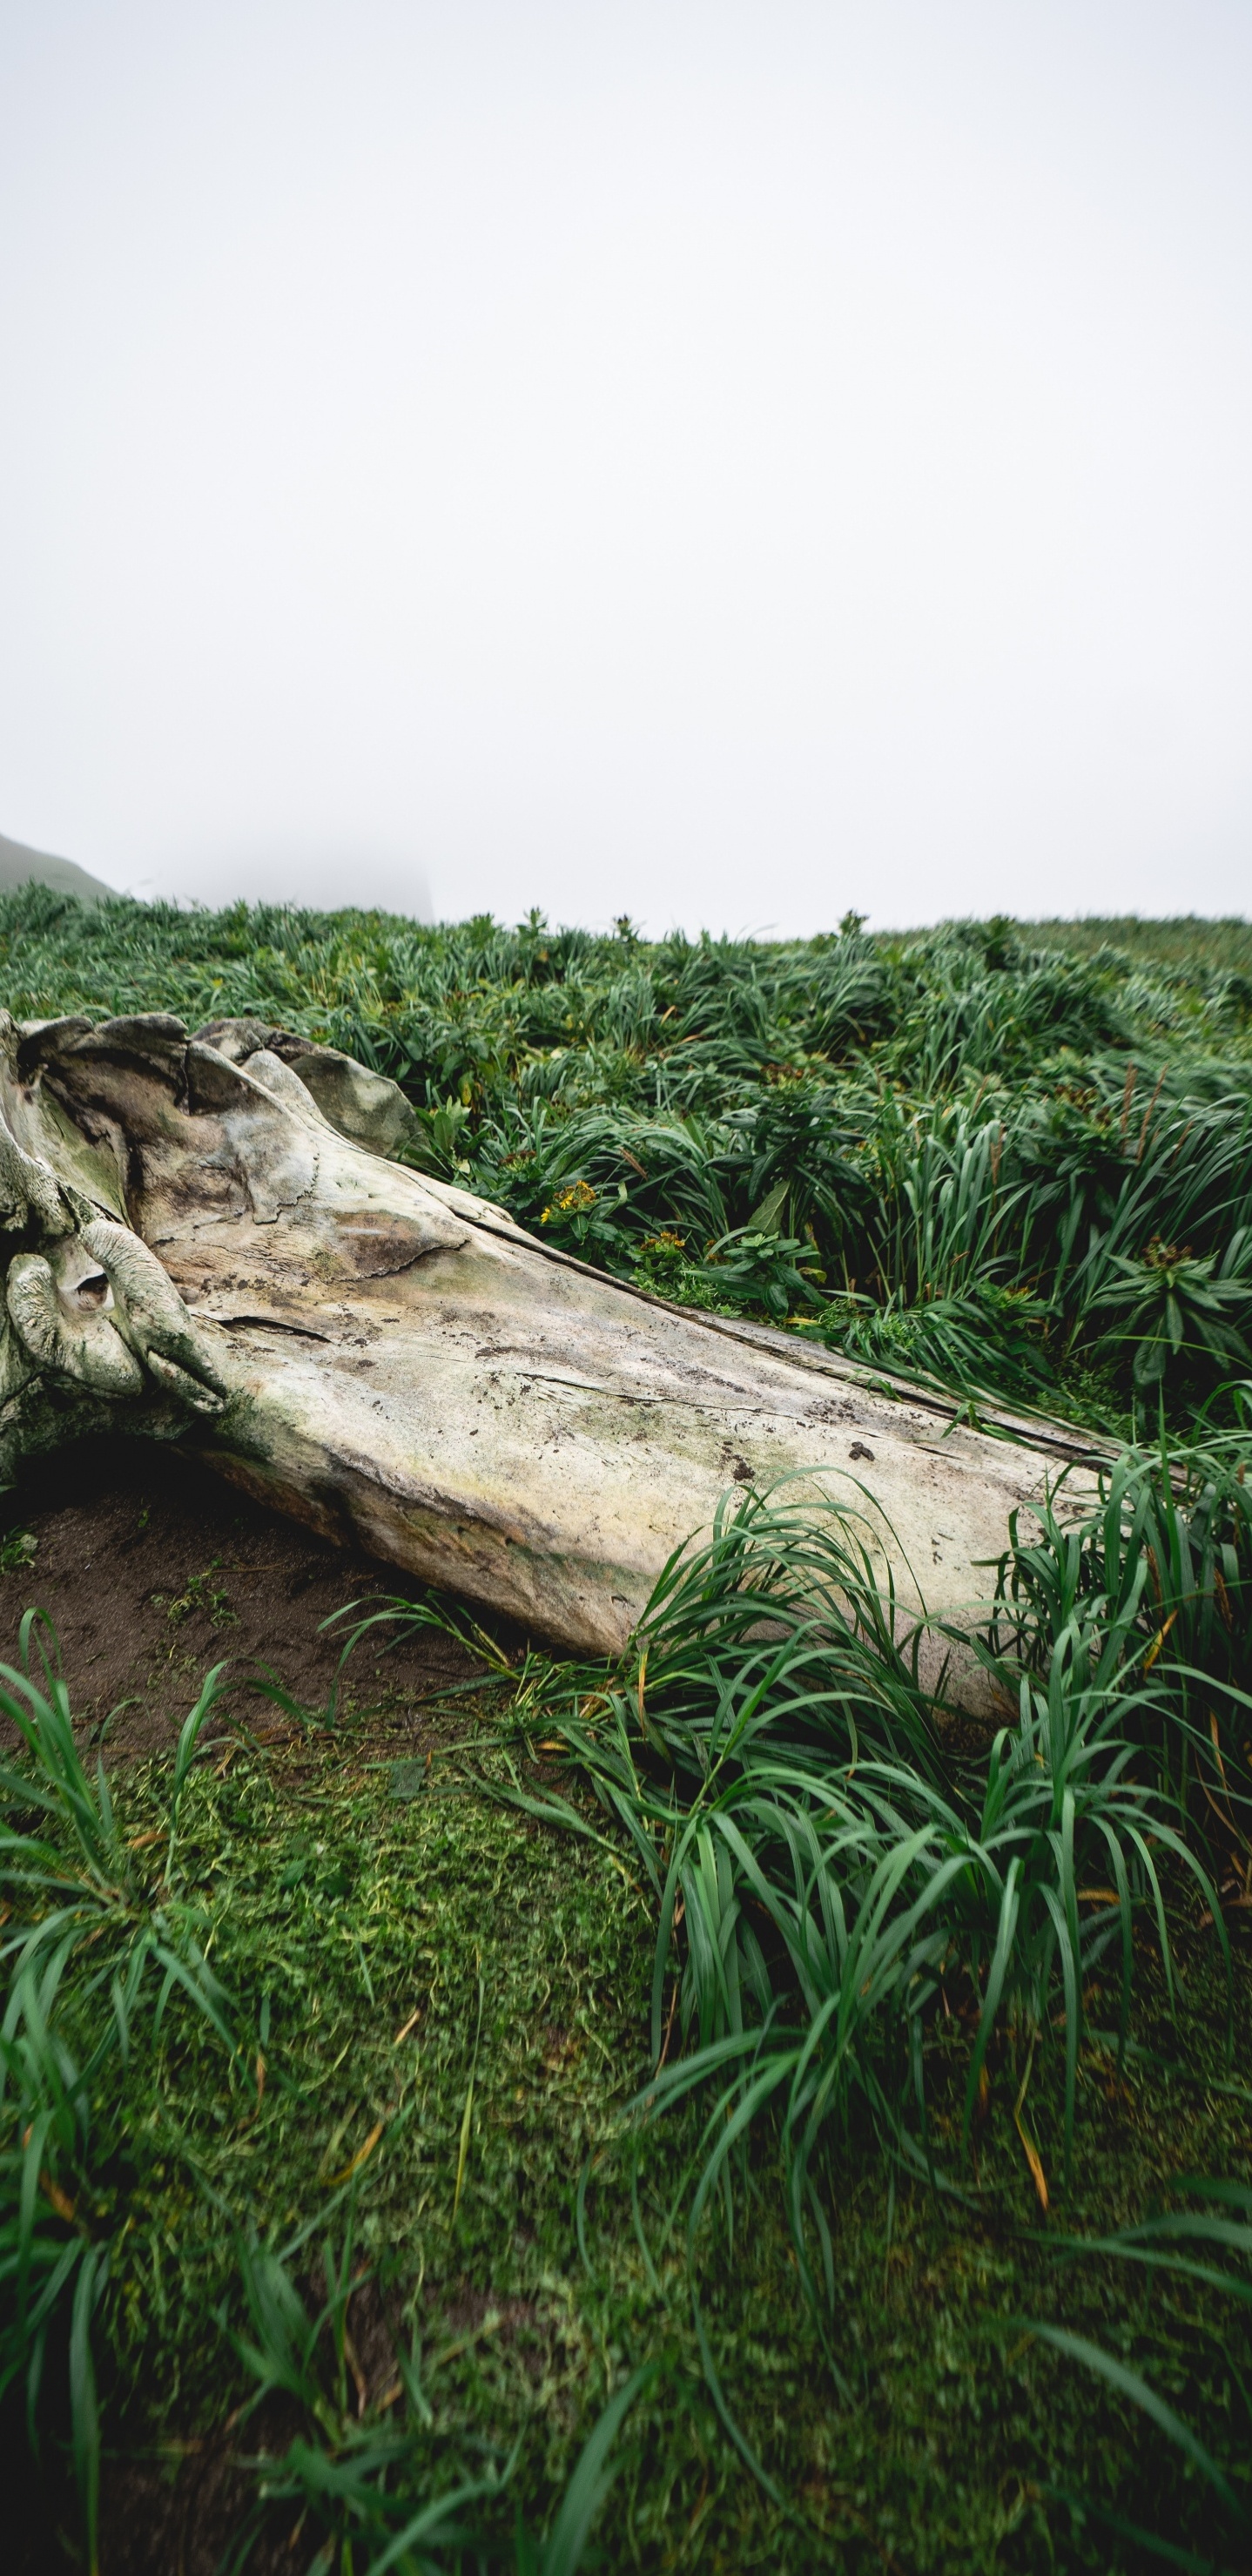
pixel 843 2121
pixel 1184 943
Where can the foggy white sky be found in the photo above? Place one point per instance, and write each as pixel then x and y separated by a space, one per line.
pixel 723 460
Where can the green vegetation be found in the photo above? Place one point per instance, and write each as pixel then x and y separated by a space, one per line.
pixel 722 2068
pixel 1185 943
pixel 958 1154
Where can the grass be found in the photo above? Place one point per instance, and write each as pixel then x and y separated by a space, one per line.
pixel 718 2069
pixel 949 2418
pixel 938 2419
pixel 1186 942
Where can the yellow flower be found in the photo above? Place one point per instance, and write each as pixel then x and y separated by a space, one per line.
pixel 571 1201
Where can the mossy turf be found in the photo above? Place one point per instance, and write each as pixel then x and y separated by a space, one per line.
pixel 352 1904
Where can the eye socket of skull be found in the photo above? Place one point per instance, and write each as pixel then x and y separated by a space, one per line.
pixel 93 1291
pixel 82 1286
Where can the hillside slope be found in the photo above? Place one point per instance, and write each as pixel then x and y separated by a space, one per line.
pixel 18 865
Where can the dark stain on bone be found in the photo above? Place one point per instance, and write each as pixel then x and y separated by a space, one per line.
pixel 377 1247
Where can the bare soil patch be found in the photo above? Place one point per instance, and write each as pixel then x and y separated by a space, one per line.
pixel 152 1569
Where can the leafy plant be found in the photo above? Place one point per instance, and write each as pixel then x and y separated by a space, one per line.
pixel 1176 1306
pixel 17 1551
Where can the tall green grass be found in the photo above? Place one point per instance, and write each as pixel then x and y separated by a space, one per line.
pixel 837 1869
pixel 99 1939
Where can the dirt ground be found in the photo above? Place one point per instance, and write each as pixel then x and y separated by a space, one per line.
pixel 152 1569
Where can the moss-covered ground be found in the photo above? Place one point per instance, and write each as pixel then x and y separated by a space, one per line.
pixel 367 1909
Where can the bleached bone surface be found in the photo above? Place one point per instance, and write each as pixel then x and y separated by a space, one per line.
pixel 208 1241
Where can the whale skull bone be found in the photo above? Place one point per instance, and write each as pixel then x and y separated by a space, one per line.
pixel 208 1240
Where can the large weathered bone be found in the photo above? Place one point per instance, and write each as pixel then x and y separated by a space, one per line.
pixel 207 1241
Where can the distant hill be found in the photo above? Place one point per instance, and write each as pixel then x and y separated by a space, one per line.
pixel 18 865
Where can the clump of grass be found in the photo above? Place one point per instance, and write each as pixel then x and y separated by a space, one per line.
pixel 826 1869
pixel 100 1922
pixel 834 1867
